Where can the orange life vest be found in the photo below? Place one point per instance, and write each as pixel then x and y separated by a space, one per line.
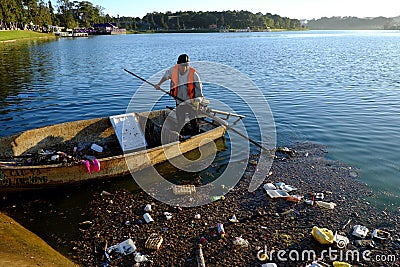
pixel 175 82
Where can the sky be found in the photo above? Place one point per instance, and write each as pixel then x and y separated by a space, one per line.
pixel 294 9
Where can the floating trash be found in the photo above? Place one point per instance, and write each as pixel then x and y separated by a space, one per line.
pixel 360 231
pixel 117 251
pixel 380 234
pixel 168 215
pixel 154 241
pixel 322 235
pixel 277 193
pixel 269 186
pixel 239 241
pixel 327 205
pixel 233 219
pixel 147 207
pixel 183 189
pixel 147 218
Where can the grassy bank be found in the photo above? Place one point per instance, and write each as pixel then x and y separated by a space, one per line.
pixel 7 36
pixel 20 247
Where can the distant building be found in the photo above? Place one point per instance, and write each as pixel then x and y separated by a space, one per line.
pixel 108 28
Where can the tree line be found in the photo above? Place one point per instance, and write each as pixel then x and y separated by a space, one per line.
pixel 354 23
pixel 39 15
pixel 215 20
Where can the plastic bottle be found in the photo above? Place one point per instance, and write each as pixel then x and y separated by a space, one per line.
pixel 148 218
pixel 327 205
pixel 215 198
pixel 200 257
pixel 221 230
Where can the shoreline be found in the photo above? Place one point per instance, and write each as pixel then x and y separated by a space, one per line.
pixel 264 222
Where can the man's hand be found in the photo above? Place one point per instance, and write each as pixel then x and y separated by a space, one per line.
pixel 157 86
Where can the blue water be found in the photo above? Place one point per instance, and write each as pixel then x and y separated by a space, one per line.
pixel 337 88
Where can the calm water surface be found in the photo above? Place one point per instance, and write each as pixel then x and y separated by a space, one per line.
pixel 338 88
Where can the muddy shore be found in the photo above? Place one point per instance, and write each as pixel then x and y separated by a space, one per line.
pixel 267 224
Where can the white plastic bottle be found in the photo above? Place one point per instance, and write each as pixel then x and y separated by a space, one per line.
pixel 200 257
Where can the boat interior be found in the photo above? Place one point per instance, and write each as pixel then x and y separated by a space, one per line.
pixel 76 138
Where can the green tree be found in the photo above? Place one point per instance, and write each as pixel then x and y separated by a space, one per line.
pixel 66 14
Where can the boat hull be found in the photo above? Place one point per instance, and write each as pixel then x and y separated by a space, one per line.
pixel 20 177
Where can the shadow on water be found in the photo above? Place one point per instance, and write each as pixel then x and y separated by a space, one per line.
pixel 55 214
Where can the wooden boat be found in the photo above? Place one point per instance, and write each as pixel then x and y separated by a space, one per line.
pixel 73 141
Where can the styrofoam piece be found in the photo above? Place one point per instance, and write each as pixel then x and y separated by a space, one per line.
pixel 360 231
pixel 117 251
pixel 128 131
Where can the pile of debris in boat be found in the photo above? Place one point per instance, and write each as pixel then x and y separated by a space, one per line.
pixel 66 156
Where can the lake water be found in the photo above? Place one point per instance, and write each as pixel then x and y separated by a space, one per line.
pixel 338 88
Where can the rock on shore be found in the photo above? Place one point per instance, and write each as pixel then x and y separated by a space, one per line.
pixel 267 224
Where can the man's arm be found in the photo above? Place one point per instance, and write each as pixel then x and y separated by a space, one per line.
pixel 158 85
pixel 198 86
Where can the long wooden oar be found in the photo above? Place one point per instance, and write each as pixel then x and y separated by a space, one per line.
pixel 215 118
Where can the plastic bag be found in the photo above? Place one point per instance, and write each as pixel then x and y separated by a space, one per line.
pixel 322 235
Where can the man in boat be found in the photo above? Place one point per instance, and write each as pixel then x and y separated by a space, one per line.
pixel 185 85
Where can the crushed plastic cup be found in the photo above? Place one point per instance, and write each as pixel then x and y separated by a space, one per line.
pixel 233 219
pixel 168 215
pixel 147 218
pixel 147 207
